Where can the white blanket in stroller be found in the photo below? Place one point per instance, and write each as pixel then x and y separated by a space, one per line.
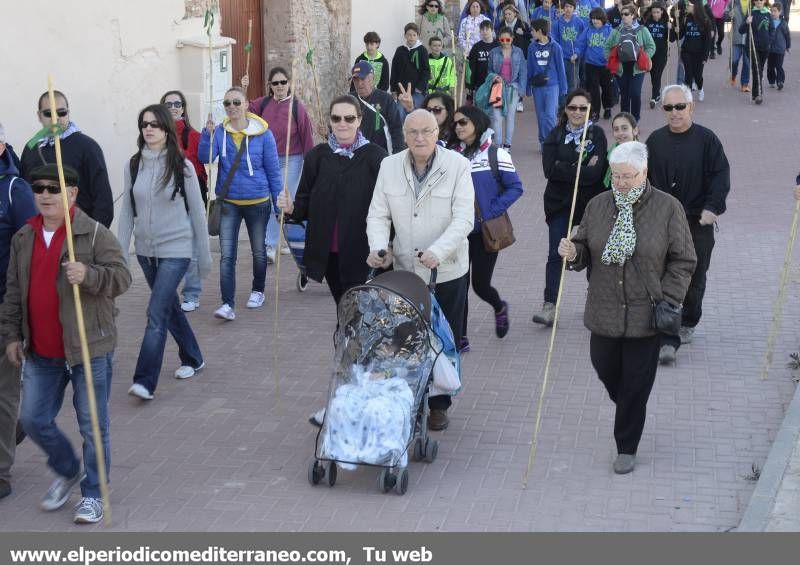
pixel 369 421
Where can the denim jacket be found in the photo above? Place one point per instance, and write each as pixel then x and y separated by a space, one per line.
pixel 519 69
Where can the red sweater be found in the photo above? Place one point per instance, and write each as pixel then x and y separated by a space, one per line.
pixel 276 115
pixel 47 335
pixel 191 150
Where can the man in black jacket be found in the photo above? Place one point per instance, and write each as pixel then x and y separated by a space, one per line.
pixel 78 151
pixel 381 122
pixel 688 161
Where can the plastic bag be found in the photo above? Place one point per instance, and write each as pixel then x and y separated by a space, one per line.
pixel 445 377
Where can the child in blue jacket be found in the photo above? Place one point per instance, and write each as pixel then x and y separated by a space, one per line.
pixel 780 41
pixel 546 11
pixel 567 31
pixel 598 77
pixel 547 80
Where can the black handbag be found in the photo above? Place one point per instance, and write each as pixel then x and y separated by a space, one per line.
pixel 215 206
pixel 667 317
pixel 539 79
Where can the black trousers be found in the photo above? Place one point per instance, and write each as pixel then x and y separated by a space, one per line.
pixel 598 83
pixel 333 277
pixel 627 368
pixel 693 68
pixel 775 71
pixel 482 264
pixel 757 61
pixel 659 63
pixel 720 30
pixel 451 296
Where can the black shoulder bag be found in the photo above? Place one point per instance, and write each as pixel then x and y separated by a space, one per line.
pixel 215 206
pixel 667 317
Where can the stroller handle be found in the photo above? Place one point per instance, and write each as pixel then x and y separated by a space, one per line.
pixel 373 270
pixel 434 272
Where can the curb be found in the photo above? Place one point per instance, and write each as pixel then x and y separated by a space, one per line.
pixel 759 510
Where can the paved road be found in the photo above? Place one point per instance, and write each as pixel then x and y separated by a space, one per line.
pixel 228 450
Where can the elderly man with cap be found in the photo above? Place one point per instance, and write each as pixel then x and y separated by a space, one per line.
pixel 381 123
pixel 16 207
pixel 426 194
pixel 38 325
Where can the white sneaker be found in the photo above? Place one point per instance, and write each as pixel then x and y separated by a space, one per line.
pixel 190 305
pixel 225 312
pixel 187 372
pixel 520 107
pixel 140 391
pixel 701 95
pixel 285 250
pixel 256 299
pixel 270 254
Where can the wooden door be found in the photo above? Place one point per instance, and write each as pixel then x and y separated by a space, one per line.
pixel 235 15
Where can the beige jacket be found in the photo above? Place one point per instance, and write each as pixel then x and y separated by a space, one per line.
pixel 439 220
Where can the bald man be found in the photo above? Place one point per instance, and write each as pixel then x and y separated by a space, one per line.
pixel 426 193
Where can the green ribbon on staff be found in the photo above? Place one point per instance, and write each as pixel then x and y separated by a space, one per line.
pixel 248 47
pixel 208 22
pixel 310 57
pixel 50 130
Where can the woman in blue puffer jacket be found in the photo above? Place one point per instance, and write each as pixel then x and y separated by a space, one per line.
pixel 255 181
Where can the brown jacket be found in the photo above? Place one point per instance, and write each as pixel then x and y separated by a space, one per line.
pixel 107 277
pixel 617 304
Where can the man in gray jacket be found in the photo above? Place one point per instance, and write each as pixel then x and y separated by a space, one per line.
pixel 425 192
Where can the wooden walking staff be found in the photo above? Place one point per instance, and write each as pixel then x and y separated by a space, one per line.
pixel 76 293
pixel 310 61
pixel 208 25
pixel 453 52
pixel 534 443
pixel 778 308
pixel 247 48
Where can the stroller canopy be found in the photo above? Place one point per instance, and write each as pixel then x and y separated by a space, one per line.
pixel 408 285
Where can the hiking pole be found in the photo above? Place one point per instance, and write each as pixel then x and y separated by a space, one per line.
pixel 453 54
pixel 310 61
pixel 464 80
pixel 208 25
pixel 247 48
pixel 535 442
pixel 777 309
pixel 76 295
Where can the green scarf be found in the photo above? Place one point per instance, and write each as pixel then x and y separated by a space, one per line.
pixel 433 18
pixel 622 241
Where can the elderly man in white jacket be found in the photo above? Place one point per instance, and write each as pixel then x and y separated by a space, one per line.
pixel 426 193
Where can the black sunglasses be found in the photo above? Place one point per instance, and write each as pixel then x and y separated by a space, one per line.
pixel 60 112
pixel 279 82
pixel 154 125
pixel 176 104
pixel 349 119
pixel 39 188
pixel 574 108
pixel 679 107
pixel 432 5
pixel 235 102
pixel 436 110
pixel 462 122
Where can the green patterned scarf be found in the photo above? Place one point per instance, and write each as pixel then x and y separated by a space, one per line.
pixel 622 241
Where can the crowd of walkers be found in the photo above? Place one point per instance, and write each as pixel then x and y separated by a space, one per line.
pixel 406 177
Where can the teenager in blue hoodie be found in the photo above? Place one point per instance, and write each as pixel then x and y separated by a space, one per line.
pixel 547 81
pixel 546 11
pixel 757 24
pixel 780 41
pixel 598 77
pixel 567 31
pixel 583 9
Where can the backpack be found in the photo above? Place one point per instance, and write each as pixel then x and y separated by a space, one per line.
pixel 180 186
pixel 628 45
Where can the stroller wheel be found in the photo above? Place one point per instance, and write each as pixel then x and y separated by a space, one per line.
pixel 419 451
pixel 386 480
pixel 331 474
pixel 431 450
pixel 401 484
pixel 302 282
pixel 20 434
pixel 316 472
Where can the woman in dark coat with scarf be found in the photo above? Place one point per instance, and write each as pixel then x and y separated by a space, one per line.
pixel 334 196
pixel 560 153
pixel 638 242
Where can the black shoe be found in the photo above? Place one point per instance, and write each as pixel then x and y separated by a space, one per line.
pixel 758 100
pixel 594 117
pixel 719 49
pixel 438 420
pixel 607 114
pixel 652 103
pixel 713 55
pixel 5 488
pixel 780 86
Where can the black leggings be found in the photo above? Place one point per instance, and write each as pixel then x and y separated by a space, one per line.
pixel 757 61
pixel 693 68
pixel 482 264
pixel 720 31
pixel 659 63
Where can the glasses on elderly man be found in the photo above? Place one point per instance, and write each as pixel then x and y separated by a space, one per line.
pixel 624 178
pixel 413 133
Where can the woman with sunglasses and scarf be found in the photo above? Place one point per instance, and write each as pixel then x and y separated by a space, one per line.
pixel 509 66
pixel 432 22
pixel 275 108
pixel 560 155
pixel 442 107
pixel 334 196
pixel 163 210
pixel 255 179
pixel 189 139
pixel 638 242
pixel 495 191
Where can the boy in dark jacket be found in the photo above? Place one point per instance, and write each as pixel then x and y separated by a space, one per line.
pixel 478 59
pixel 758 24
pixel 780 41
pixel 410 66
pixel 376 59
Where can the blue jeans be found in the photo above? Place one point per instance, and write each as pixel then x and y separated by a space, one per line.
pixel 557 229
pixel 739 52
pixel 630 93
pixel 164 314
pixel 545 103
pixel 497 121
pixel 293 179
pixel 255 218
pixel 44 383
pixel 192 284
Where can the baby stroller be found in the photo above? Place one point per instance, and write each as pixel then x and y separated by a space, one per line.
pixel 385 351
pixel 295 235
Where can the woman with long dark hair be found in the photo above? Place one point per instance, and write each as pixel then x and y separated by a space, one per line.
pixel 560 155
pixel 432 22
pixel 497 186
pixel 189 139
pixel 163 210
pixel 442 107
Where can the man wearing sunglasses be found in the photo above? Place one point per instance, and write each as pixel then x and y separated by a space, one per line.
pixel 38 326
pixel 16 207
pixel 688 161
pixel 80 152
pixel 381 123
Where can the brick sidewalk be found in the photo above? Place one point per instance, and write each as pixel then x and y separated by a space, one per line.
pixel 228 450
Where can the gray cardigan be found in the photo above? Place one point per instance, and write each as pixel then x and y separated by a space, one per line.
pixel 162 228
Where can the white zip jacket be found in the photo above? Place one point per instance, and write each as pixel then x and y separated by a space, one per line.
pixel 439 220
